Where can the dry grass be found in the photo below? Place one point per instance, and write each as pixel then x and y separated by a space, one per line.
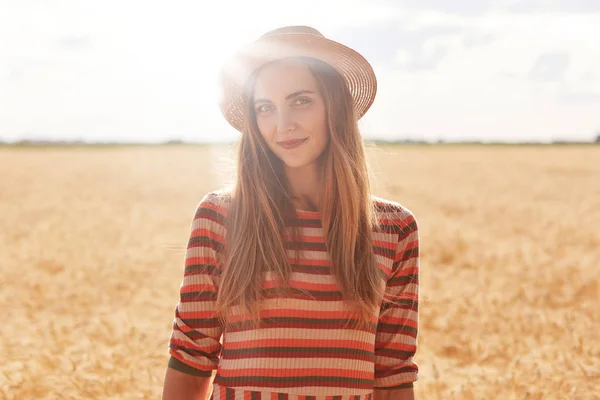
pixel 91 251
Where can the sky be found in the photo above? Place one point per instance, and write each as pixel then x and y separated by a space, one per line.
pixel 145 71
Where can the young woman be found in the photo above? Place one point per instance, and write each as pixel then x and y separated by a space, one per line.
pixel 299 283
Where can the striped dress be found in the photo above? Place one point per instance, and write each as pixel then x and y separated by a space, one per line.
pixel 303 349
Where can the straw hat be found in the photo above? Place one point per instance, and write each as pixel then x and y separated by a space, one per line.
pixel 294 41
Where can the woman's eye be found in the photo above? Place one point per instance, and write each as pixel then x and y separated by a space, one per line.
pixel 302 101
pixel 263 108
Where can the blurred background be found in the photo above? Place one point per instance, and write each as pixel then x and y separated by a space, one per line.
pixel 485 126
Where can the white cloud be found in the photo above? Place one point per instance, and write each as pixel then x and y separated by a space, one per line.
pixel 485 91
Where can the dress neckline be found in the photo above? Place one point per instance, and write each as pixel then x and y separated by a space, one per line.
pixel 307 213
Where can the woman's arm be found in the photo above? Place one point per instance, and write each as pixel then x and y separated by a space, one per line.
pixel 396 338
pixel 195 344
pixel 181 386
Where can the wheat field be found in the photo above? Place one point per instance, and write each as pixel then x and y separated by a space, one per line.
pixel 92 243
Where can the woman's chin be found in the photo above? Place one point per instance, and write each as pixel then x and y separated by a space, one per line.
pixel 297 163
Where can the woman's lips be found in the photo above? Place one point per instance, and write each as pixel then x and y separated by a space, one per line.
pixel 292 144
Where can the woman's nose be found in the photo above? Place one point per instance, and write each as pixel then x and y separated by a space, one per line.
pixel 285 122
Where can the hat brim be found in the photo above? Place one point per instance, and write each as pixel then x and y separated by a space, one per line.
pixel 355 69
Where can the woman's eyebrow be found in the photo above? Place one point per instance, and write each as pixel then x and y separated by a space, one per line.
pixel 298 93
pixel 289 96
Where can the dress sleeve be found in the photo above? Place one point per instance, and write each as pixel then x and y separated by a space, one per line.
pixel 396 338
pixel 194 345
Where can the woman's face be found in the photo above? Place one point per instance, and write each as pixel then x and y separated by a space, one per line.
pixel 290 113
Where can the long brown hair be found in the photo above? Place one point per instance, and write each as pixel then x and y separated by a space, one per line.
pixel 260 203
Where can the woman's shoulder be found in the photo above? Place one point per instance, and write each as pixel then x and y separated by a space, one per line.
pixel 393 214
pixel 215 203
pixel 218 196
